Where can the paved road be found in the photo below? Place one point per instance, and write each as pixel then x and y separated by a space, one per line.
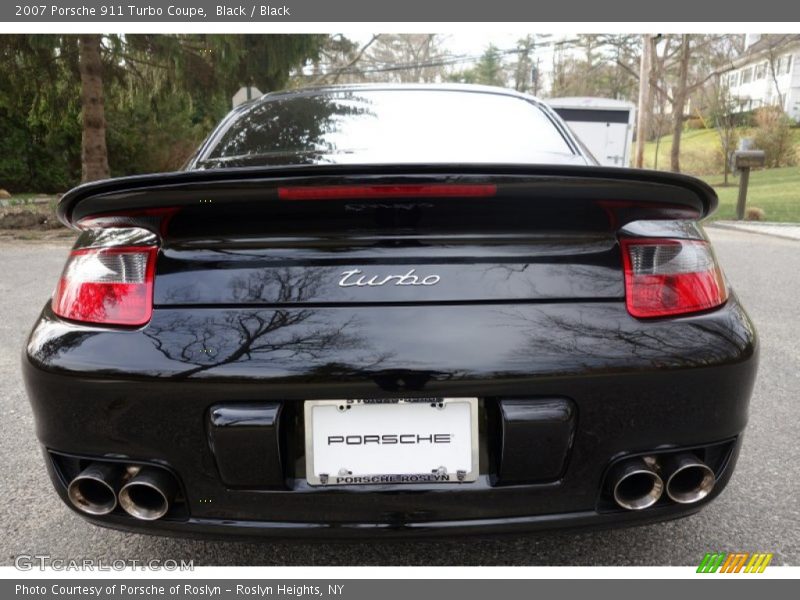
pixel 759 511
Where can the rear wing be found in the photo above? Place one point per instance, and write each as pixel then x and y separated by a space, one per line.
pixel 501 196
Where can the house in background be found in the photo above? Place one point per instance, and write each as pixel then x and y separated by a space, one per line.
pixel 767 74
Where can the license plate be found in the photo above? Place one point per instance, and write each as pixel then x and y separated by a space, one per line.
pixel 357 442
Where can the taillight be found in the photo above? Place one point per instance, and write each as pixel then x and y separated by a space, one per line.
pixel 112 286
pixel 671 277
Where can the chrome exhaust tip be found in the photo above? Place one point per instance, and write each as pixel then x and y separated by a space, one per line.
pixel 94 490
pixel 689 479
pixel 636 485
pixel 148 494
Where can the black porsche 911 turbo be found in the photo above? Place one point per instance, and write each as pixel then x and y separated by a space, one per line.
pixel 377 310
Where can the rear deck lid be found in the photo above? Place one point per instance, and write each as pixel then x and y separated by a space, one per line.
pixel 387 234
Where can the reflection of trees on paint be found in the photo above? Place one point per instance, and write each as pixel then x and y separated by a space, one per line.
pixel 294 130
pixel 229 336
pixel 48 350
pixel 598 338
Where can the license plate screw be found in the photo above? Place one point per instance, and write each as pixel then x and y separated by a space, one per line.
pixel 323 478
pixel 461 475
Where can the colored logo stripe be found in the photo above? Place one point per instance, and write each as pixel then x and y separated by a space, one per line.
pixel 711 562
pixel 758 563
pixel 735 562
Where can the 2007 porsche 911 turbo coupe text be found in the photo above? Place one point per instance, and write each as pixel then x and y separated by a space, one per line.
pixel 390 310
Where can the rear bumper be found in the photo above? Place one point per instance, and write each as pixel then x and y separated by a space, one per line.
pixel 394 526
pixel 636 388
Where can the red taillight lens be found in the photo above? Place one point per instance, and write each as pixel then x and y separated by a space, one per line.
pixel 671 277
pixel 113 286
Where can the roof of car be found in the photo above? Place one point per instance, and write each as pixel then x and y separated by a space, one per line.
pixel 446 87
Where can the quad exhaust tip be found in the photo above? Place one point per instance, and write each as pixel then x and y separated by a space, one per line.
pixel 689 479
pixel 636 485
pixel 149 494
pixel 94 490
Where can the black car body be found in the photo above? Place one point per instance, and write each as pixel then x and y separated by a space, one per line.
pixel 411 258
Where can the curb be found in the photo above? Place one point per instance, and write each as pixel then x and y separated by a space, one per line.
pixel 755 229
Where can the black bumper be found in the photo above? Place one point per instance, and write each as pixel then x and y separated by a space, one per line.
pixel 635 387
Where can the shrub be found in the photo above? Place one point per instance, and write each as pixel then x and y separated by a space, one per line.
pixel 695 123
pixel 773 135
pixel 753 213
pixel 696 161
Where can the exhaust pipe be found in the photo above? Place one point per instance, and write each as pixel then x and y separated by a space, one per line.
pixel 689 479
pixel 635 484
pixel 94 490
pixel 148 494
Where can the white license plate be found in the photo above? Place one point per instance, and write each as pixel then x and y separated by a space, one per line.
pixel 356 442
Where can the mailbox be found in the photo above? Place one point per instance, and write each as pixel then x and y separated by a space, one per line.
pixel 742 161
pixel 747 159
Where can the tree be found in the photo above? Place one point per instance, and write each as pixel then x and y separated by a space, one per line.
pixel 385 57
pixel 679 103
pixel 81 107
pixel 408 58
pixel 94 155
pixel 39 112
pixel 645 103
pixel 685 65
pixel 338 61
pixel 210 67
pixel 693 62
pixel 525 75
pixel 722 113
pixel 489 70
pixel 587 66
pixel 621 49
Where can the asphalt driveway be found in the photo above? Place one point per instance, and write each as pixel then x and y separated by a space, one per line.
pixel 759 511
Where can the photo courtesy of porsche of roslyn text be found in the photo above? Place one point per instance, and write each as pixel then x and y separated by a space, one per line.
pixel 456 299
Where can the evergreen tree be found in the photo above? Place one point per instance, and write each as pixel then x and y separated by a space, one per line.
pixel 149 99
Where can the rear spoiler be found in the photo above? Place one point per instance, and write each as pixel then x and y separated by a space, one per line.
pixel 626 194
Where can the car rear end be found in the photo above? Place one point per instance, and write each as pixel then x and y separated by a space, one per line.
pixel 357 349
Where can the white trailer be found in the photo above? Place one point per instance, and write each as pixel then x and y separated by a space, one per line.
pixel 605 126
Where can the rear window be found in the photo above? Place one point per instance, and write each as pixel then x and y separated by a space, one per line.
pixel 390 126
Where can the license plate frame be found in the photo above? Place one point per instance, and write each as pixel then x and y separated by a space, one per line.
pixel 433 417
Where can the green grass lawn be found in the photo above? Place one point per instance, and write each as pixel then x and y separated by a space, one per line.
pixel 775 191
pixel 700 151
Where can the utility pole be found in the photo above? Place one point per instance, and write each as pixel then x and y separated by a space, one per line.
pixel 643 111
